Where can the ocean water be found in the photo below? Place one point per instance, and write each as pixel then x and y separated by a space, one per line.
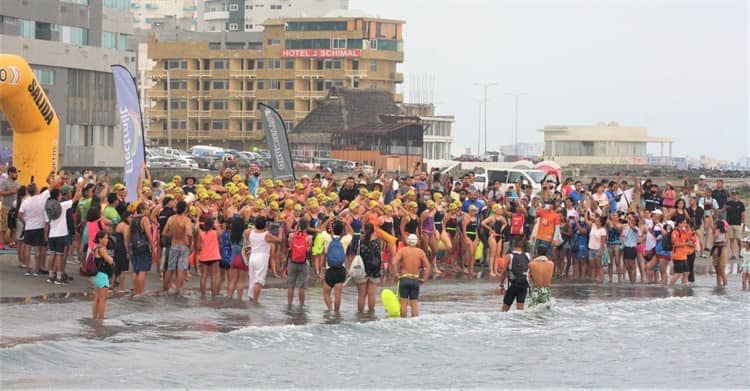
pixel 612 335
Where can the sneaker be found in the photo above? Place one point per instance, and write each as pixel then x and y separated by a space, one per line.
pixel 40 274
pixel 44 272
pixel 28 273
pixel 61 282
pixel 67 278
pixel 51 280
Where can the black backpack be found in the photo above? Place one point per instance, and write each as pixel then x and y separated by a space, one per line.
pixel 138 240
pixel 666 240
pixel 12 218
pixel 53 209
pixel 519 267
pixel 370 253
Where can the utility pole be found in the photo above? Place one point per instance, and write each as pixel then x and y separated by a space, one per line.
pixel 479 124
pixel 485 86
pixel 169 107
pixel 515 123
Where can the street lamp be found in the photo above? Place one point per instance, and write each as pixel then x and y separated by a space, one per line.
pixel 485 86
pixel 515 122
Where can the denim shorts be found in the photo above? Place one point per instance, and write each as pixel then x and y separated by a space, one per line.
pixel 593 254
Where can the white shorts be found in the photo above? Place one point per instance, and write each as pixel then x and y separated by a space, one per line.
pixel 257 270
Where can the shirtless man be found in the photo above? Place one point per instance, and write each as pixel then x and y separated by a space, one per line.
pixel 408 287
pixel 540 274
pixel 179 230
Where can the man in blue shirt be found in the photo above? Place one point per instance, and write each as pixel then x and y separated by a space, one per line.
pixel 576 194
pixel 472 200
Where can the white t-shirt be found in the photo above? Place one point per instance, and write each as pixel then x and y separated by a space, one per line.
pixel 346 240
pixel 33 211
pixel 627 197
pixel 258 243
pixel 595 237
pixel 59 226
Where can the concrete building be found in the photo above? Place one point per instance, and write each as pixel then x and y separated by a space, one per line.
pixel 438 134
pixel 70 45
pixel 146 12
pixel 207 85
pixel 249 15
pixel 525 151
pixel 603 143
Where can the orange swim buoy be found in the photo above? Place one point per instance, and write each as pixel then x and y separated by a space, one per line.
pixel 385 236
pixel 502 263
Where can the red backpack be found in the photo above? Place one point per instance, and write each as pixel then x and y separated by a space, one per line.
pixel 299 247
pixel 516 224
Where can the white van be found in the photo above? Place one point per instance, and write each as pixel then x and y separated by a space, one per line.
pixel 512 176
pixel 205 150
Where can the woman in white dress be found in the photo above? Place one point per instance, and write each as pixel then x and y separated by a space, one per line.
pixel 260 242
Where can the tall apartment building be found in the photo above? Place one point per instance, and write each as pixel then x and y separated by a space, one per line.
pixel 207 85
pixel 146 12
pixel 249 15
pixel 70 45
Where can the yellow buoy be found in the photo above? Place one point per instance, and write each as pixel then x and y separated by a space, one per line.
pixel 390 302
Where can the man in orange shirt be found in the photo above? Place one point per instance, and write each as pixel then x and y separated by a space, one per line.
pixel 548 220
pixel 681 243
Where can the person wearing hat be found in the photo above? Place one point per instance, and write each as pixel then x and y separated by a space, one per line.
pixel 8 188
pixel 406 266
pixel 189 187
pixel 122 194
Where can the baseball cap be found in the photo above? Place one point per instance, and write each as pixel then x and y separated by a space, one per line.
pixel 702 177
pixel 12 170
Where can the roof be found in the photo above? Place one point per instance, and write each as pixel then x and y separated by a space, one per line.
pixel 356 111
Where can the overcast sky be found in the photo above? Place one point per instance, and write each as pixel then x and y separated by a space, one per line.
pixel 677 67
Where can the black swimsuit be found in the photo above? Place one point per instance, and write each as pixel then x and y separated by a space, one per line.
pixel 411 226
pixel 439 216
pixel 451 225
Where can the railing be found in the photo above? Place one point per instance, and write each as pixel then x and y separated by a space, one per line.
pixel 198 73
pixel 156 74
pixel 199 113
pixel 154 93
pixel 242 74
pixel 397 77
pixel 356 73
pixel 241 114
pixel 309 74
pixel 242 94
pixel 308 94
pixel 156 113
pixel 200 94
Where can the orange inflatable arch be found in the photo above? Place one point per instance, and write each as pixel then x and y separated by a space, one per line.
pixel 36 129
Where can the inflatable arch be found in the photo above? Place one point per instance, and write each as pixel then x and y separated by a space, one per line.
pixel 36 129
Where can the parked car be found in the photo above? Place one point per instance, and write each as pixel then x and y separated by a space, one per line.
pixel 201 150
pixel 161 162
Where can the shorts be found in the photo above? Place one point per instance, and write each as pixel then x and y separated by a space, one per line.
pixel 640 249
pixel 34 237
pixel 540 296
pixel 57 245
pixel 544 243
pixel 4 219
pixel 594 254
pixel 363 280
pixel 408 288
pixel 629 253
pixel 141 262
pixel 517 291
pixel 208 263
pixel 179 257
pixel 296 276
pixel 101 280
pixel 238 263
pixel 680 266
pixel 335 275
pixel 69 240
pixel 734 232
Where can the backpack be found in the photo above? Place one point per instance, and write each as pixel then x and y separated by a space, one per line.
pixel 666 241
pixel 88 267
pixel 335 256
pixel 225 248
pixel 519 267
pixel 53 209
pixel 517 224
pixel 12 218
pixel 299 247
pixel 370 252
pixel 139 243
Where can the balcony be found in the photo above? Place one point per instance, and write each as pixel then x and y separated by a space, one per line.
pixel 199 114
pixel 156 74
pixel 309 94
pixel 157 114
pixel 199 94
pixel 243 74
pixel 309 74
pixel 198 73
pixel 397 77
pixel 355 73
pixel 216 15
pixel 242 94
pixel 156 94
pixel 241 114
pixel 398 98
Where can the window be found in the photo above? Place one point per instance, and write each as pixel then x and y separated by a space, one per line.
pixel 249 85
pixel 178 104
pixel 248 6
pixel 220 104
pixel 178 124
pixel 249 105
pixel 275 6
pixel 220 84
pixel 122 42
pixel 373 86
pixel 289 125
pixel 332 64
pixel 274 42
pixel 81 2
pixel 74 35
pixel 274 63
pixel 274 84
pixel 275 103
pixel 289 64
pixel 258 125
pixel 233 27
pixel 45 76
pixel 260 84
pixel 117 4
pixel 307 44
pixel 338 43
pixel 221 64
pixel 176 64
pixel 27 28
pixel 109 40
pixel 220 124
pixel 259 64
pixel 288 84
pixel 10 20
pixel 248 26
pixel 288 105
pixel 387 44
pixel 177 84
pixel 315 26
pixel 373 65
pixel 328 84
pixel 234 7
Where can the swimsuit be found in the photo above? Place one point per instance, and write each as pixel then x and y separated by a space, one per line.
pixel 541 296
pixel 451 226
pixel 439 221
pixel 498 228
pixel 471 230
pixel 428 226
pixel 411 226
pixel 408 287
